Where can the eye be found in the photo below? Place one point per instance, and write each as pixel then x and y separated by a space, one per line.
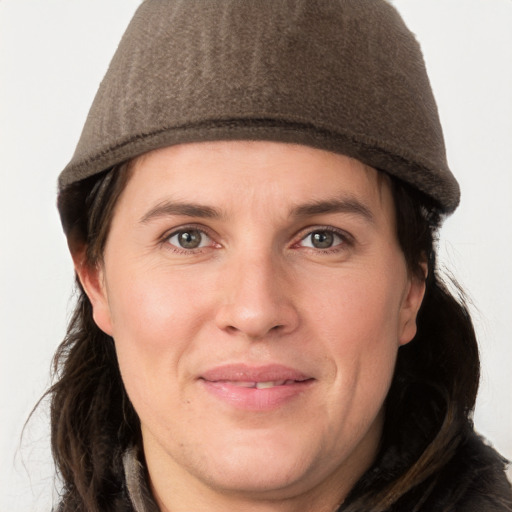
pixel 189 238
pixel 322 239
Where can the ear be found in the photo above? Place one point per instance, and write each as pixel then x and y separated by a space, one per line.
pixel 92 280
pixel 410 306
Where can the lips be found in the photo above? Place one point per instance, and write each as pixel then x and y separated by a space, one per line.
pixel 255 388
pixel 261 385
pixel 247 373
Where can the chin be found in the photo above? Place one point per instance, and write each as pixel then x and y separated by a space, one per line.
pixel 271 465
pixel 269 479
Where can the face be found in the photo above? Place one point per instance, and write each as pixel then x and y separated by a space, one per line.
pixel 257 296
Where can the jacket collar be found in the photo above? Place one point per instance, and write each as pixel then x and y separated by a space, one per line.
pixel 136 482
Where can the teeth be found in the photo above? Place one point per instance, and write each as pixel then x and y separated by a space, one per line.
pixel 269 384
pixel 260 385
pixel 242 384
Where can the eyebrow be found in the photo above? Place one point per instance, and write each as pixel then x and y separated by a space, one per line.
pixel 335 205
pixel 167 208
pixel 321 207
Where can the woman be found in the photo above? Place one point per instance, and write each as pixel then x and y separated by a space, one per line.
pixel 252 211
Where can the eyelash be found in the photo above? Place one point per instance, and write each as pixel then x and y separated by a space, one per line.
pixel 165 241
pixel 346 240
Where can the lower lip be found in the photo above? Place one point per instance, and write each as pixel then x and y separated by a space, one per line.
pixel 254 399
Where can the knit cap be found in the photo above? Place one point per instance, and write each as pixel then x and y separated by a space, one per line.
pixel 340 75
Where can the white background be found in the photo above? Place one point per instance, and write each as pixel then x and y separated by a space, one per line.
pixel 53 54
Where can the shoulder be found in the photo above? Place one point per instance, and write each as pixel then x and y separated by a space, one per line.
pixel 473 481
pixel 482 478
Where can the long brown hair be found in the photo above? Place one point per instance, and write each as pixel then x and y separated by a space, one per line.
pixel 433 391
pixel 430 403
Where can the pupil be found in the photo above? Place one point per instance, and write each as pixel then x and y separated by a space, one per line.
pixel 190 239
pixel 322 239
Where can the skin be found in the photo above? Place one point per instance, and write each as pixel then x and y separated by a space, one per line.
pixel 258 290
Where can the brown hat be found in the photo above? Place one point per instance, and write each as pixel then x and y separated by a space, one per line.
pixel 341 75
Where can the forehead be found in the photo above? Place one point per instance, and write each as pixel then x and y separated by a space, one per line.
pixel 229 168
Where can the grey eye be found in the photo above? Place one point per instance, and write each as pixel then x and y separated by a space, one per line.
pixel 189 239
pixel 321 239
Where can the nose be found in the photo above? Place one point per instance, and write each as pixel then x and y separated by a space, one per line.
pixel 257 299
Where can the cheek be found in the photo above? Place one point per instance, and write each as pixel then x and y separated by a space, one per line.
pixel 357 312
pixel 155 321
pixel 358 321
pixel 152 305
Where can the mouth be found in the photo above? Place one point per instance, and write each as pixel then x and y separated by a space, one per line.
pixel 262 388
pixel 262 385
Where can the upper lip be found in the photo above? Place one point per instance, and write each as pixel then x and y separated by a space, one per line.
pixel 248 373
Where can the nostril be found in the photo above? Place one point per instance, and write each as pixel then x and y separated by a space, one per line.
pixel 234 330
pixel 257 319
